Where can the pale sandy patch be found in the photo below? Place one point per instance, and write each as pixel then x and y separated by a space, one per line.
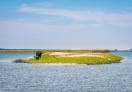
pixel 83 55
pixel 60 53
pixel 66 54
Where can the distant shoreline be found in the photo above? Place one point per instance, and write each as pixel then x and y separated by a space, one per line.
pixel 59 50
pixel 34 50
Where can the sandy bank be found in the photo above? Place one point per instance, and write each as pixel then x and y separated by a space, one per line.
pixel 61 54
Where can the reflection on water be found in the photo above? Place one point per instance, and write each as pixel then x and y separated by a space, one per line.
pixel 17 77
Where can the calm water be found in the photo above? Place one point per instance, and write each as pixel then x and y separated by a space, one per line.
pixel 8 57
pixel 19 77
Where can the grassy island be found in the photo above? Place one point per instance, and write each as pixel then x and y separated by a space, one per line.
pixel 74 57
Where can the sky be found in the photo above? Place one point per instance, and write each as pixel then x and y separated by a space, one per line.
pixel 66 24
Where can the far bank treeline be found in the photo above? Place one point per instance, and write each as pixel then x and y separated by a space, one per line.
pixel 34 50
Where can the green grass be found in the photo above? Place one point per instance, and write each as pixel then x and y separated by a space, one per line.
pixel 47 59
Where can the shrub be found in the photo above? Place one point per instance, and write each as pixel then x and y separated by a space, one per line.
pixel 20 61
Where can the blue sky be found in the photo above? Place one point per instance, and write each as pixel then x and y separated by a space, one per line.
pixel 66 24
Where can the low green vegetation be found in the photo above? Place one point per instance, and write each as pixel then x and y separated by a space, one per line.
pixel 20 61
pixel 76 58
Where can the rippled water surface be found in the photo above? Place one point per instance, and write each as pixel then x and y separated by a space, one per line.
pixel 19 77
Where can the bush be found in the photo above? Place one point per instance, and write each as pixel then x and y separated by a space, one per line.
pixel 20 61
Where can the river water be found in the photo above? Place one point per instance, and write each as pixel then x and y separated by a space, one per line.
pixel 21 77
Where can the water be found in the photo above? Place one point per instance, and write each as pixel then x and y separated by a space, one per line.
pixel 19 77
pixel 8 57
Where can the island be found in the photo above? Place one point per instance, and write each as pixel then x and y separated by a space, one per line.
pixel 88 57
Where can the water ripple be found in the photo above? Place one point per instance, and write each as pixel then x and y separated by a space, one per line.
pixel 15 77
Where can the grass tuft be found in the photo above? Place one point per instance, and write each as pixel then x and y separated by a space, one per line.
pixel 20 61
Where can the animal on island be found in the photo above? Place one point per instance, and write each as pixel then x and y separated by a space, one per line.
pixel 38 55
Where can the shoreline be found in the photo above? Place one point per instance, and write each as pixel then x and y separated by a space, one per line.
pixel 73 58
pixel 59 64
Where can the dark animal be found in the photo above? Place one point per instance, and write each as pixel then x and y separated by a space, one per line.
pixel 38 55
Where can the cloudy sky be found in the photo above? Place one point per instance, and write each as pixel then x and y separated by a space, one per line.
pixel 66 24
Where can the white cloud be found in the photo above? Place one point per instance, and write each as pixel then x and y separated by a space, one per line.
pixel 29 33
pixel 45 4
pixel 122 19
pixel 24 34
pixel 24 26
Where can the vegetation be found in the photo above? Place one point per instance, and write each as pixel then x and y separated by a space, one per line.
pixel 34 50
pixel 98 58
pixel 20 61
pixel 69 56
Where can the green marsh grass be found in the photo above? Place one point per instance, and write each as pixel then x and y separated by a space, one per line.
pixel 105 58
